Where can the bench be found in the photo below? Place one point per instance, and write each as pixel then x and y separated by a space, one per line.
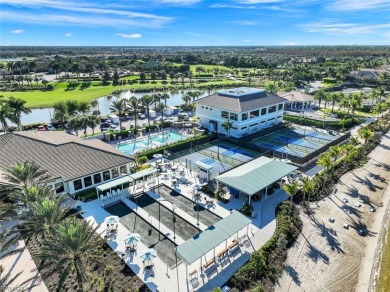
pixel 233 244
pixel 222 252
pixel 209 263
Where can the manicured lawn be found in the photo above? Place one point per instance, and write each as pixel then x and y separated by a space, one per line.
pixel 36 99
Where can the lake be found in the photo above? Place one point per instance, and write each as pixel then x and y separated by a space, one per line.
pixel 103 105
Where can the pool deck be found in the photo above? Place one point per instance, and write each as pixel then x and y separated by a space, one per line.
pixel 176 278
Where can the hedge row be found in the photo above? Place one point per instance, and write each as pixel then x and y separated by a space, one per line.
pixel 319 124
pixel 266 265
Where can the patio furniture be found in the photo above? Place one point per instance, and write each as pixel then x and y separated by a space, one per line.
pixel 233 244
pixel 194 278
pixel 102 197
pixel 108 194
pixel 209 263
pixel 222 253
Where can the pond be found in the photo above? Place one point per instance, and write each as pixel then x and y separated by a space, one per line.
pixel 103 105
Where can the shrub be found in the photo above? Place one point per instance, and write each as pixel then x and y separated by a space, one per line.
pixel 319 124
pixel 87 195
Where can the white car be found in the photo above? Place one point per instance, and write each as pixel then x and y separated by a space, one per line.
pixel 114 128
pixel 50 127
pixel 345 200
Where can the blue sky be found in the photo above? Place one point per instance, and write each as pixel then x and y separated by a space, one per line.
pixel 194 22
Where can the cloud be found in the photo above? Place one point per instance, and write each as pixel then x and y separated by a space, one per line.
pixel 178 2
pixel 246 41
pixel 129 36
pixel 355 5
pixel 245 22
pixel 289 44
pixel 68 34
pixel 233 6
pixel 17 31
pixel 331 26
pixel 80 20
pixel 260 1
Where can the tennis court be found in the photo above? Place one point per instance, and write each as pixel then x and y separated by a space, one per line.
pixel 294 141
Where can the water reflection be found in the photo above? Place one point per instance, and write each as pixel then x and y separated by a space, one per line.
pixel 103 105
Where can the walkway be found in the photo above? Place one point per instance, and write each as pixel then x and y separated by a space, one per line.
pixel 176 279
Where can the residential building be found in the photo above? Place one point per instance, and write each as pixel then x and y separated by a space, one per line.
pixel 248 110
pixel 72 163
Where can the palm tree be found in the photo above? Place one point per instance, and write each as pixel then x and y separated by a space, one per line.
pixel 160 109
pixel 355 102
pixel 165 96
pixel 366 134
pixel 147 101
pixel 18 107
pixel 291 190
pixel 307 186
pixel 344 103
pixel 334 97
pixel 227 125
pixel 6 113
pixel 93 122
pixel 119 107
pixel 30 194
pixel 65 251
pixel 335 152
pixel 26 174
pixel 326 162
pixel 187 99
pixel 271 88
pixel 320 95
pixel 379 108
pixel 133 103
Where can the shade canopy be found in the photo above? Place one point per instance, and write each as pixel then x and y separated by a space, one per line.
pixel 111 220
pixel 148 255
pixel 114 183
pixel 132 238
pixel 202 243
pixel 143 173
pixel 255 175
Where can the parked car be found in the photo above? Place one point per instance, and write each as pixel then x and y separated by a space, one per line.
pixel 344 200
pixel 114 127
pixel 50 127
pixel 372 209
pixel 141 116
pixel 42 128
pixel 362 232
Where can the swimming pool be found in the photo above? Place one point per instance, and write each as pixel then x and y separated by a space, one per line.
pixel 146 142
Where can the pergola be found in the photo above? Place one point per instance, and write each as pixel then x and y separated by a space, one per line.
pixel 199 245
pixel 204 168
pixel 121 181
pixel 256 175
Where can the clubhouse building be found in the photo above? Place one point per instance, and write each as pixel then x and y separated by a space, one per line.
pixel 248 110
pixel 72 163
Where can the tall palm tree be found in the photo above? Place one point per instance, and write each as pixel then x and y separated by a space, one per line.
pixel 133 103
pixel 147 101
pixel 379 108
pixel 119 107
pixel 6 114
pixel 355 102
pixel 18 107
pixel 319 95
pixel 291 190
pixel 308 187
pixel 26 174
pixel 65 251
pixel 160 109
pixel 334 97
pixel 326 162
pixel 92 122
pixel 165 96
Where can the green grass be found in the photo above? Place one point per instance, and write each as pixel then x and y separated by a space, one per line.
pixel 37 99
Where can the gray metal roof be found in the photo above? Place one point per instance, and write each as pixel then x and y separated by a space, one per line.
pixel 255 175
pixel 241 103
pixel 296 96
pixel 62 155
pixel 194 248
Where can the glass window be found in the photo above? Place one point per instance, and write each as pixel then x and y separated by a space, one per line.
pixel 254 114
pixel 272 109
pixel 97 178
pixel 280 107
pixel 106 175
pixel 123 169
pixel 59 187
pixel 233 116
pixel 263 111
pixel 114 172
pixel 87 181
pixel 244 116
pixel 224 114
pixel 77 185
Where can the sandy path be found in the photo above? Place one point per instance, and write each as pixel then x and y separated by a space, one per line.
pixel 328 257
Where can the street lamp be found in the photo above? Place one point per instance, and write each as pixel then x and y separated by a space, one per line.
pixel 174 221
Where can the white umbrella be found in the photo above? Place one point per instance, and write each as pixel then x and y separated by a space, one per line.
pixel 132 238
pixel 148 255
pixel 111 220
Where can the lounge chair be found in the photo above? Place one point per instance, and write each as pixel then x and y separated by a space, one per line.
pixel 108 195
pixel 102 197
pixel 113 193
